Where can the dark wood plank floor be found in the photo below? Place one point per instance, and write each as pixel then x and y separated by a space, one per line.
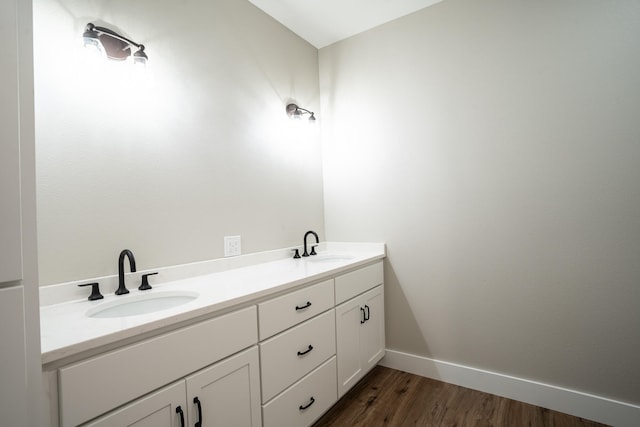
pixel 387 397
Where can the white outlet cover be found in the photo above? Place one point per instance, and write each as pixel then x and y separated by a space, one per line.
pixel 232 246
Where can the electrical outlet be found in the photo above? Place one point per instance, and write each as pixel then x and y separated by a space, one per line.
pixel 232 246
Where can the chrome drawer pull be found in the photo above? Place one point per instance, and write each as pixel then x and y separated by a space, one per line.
pixel 311 402
pixel 302 353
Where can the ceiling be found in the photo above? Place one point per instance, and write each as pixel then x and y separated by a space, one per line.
pixel 323 22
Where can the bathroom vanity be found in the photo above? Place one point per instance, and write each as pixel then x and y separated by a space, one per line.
pixel 268 344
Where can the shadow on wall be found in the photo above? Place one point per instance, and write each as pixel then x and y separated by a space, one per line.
pixel 404 321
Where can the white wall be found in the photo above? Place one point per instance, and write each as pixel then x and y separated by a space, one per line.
pixel 495 147
pixel 168 162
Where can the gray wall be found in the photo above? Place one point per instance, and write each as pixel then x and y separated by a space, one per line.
pixel 495 147
pixel 169 161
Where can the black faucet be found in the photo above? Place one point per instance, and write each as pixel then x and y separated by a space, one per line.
pixel 122 289
pixel 313 248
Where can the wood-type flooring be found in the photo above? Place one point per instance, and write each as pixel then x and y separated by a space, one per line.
pixel 388 397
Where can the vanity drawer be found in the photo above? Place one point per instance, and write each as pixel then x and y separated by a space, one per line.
pixel 96 385
pixel 283 312
pixel 289 356
pixel 317 392
pixel 351 284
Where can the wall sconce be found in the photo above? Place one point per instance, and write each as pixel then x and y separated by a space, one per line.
pixel 111 44
pixel 295 112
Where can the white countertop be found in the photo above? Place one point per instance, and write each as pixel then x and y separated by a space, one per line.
pixel 66 330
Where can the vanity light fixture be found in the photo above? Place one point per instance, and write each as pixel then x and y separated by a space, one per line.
pixel 295 112
pixel 114 46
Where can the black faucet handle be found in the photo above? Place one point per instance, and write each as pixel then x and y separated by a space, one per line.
pixel 145 281
pixel 95 291
pixel 296 254
pixel 313 250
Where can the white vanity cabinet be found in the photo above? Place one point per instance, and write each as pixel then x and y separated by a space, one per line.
pixel 282 362
pixel 92 387
pixel 225 394
pixel 164 408
pixel 360 336
pixel 298 365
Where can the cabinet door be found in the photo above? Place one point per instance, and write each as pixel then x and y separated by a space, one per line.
pixel 349 316
pixel 13 367
pixel 227 393
pixel 159 409
pixel 360 337
pixel 10 225
pixel 372 343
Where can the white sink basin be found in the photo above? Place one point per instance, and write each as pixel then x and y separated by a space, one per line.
pixel 134 305
pixel 329 257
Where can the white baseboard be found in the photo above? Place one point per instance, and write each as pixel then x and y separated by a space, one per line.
pixel 583 405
